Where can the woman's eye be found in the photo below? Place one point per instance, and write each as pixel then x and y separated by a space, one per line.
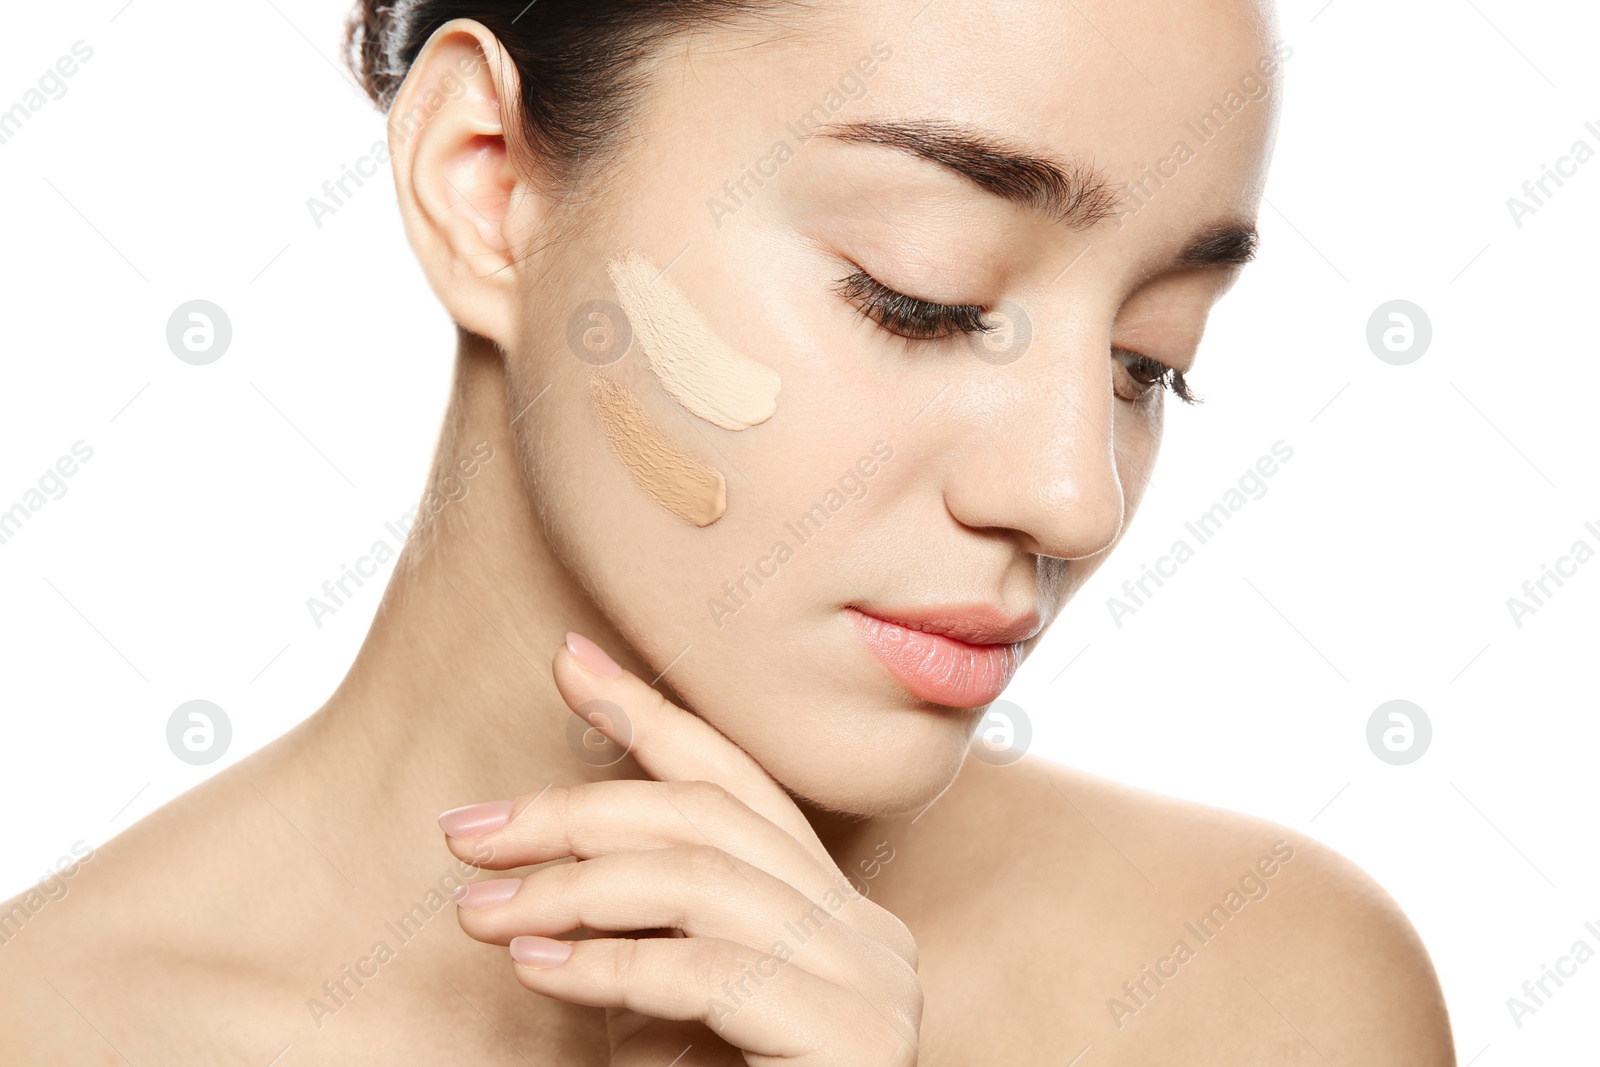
pixel 908 317
pixel 1146 374
pixel 923 320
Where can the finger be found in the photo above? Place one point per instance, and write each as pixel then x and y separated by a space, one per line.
pixel 752 999
pixel 602 818
pixel 631 815
pixel 697 889
pixel 672 1044
pixel 672 744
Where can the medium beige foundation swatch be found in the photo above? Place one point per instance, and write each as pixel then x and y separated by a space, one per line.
pixel 673 478
pixel 694 365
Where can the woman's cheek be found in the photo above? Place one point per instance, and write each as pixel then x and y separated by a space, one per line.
pixel 1136 439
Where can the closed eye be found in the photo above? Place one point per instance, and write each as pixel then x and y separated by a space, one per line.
pixel 923 320
pixel 907 316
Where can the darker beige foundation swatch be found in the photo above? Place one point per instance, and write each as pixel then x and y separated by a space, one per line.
pixel 673 478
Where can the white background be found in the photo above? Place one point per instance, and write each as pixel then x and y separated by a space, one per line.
pixel 1377 566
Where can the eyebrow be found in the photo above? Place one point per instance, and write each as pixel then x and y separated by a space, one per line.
pixel 1077 195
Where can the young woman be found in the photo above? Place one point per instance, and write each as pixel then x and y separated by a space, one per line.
pixel 811 356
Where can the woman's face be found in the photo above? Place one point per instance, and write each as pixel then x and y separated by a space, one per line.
pixel 893 475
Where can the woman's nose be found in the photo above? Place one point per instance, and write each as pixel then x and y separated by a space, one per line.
pixel 1040 459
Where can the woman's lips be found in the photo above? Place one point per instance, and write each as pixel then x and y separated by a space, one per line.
pixel 940 669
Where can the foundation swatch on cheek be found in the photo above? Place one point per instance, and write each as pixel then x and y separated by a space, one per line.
pixel 695 366
pixel 673 478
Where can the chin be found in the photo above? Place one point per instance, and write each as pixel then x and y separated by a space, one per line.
pixel 879 765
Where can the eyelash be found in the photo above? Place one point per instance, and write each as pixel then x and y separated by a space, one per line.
pixel 906 316
pixel 922 320
pixel 1149 372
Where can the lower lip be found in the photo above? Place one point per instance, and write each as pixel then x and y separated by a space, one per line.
pixel 939 669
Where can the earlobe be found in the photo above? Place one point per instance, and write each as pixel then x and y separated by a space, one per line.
pixel 454 173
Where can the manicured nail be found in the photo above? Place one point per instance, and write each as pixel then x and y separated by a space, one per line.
pixel 592 656
pixel 475 819
pixel 488 893
pixel 540 952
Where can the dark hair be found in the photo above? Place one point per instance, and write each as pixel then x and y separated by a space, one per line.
pixel 579 61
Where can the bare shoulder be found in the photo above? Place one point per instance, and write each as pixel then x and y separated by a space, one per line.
pixel 45 932
pixel 1208 922
pixel 94 956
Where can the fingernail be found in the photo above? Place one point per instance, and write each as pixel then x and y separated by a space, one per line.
pixel 540 952
pixel 488 893
pixel 592 656
pixel 475 819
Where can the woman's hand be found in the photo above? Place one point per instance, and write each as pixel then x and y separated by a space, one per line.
pixel 776 954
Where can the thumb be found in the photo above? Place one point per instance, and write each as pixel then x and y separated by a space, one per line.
pixel 671 744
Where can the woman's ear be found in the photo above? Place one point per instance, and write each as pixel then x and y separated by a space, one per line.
pixel 454 174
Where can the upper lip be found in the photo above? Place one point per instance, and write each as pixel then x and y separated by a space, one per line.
pixel 975 624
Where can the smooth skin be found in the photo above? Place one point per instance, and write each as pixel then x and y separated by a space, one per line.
pixel 716 849
pixel 1004 906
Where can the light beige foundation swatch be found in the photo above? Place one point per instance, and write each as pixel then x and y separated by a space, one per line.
pixel 695 366
pixel 673 478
